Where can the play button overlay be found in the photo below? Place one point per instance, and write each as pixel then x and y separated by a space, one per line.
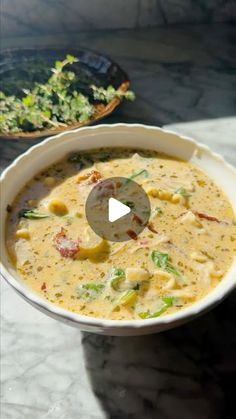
pixel 117 209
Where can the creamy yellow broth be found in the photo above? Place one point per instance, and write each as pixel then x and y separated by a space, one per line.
pixel 181 255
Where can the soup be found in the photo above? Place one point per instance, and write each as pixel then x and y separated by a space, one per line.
pixel 183 252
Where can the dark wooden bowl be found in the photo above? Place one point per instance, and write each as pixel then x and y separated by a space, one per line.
pixel 21 68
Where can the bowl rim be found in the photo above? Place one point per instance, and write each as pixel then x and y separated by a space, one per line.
pixel 53 310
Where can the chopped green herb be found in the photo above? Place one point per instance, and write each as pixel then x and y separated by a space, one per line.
pixel 110 93
pixel 89 291
pixel 94 287
pixel 56 103
pixel 115 277
pixel 158 211
pixel 136 174
pixel 31 214
pixel 166 302
pixel 183 192
pixel 144 314
pixel 205 253
pixel 162 261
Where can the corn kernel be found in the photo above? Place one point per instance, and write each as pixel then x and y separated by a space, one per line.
pixel 23 233
pixel 153 192
pixel 165 195
pixel 49 181
pixel 176 198
pixel 57 207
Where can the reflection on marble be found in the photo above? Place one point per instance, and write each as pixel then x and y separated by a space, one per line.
pixel 52 371
pixel 25 17
pixel 177 74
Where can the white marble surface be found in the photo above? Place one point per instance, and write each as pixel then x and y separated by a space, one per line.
pixel 184 78
pixel 33 17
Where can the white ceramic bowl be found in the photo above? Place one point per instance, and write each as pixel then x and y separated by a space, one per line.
pixel 137 136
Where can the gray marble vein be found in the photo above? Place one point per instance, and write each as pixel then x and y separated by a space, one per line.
pixel 31 17
pixel 184 79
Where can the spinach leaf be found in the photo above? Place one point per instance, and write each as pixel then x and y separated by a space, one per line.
pixel 31 214
pixel 166 303
pixel 162 261
pixel 115 277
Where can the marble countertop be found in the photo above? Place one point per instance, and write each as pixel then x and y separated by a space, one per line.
pixel 184 78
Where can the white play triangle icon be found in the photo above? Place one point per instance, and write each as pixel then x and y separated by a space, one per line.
pixel 116 210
